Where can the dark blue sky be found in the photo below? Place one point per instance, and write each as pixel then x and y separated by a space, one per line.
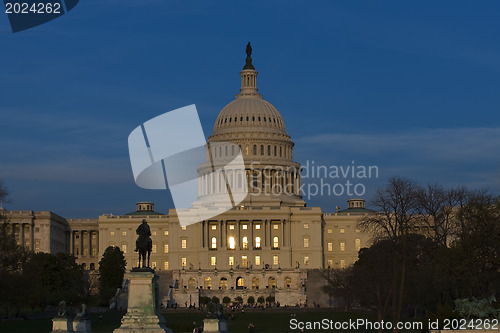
pixel 412 88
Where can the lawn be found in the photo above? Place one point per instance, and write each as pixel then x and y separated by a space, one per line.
pixel 268 321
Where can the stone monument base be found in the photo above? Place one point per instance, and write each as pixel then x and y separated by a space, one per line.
pixel 62 325
pixel 143 314
pixel 214 326
pixel 82 325
pixel 67 325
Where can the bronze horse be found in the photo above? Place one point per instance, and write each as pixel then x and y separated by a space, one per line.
pixel 144 246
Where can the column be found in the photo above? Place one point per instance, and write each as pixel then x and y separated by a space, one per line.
pixel 221 242
pixel 239 235
pixel 97 242
pixel 202 234
pixel 225 235
pixel 22 235
pixel 90 243
pixel 251 235
pixel 209 244
pixel 81 243
pixel 283 233
pixel 300 184
pixel 265 232
pixel 270 234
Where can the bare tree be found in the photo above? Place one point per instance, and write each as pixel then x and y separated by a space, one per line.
pixel 398 208
pixel 4 194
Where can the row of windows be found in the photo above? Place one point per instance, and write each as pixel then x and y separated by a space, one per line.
pixel 243 264
pixel 357 245
pixel 341 264
pixel 240 282
pixel 124 233
pixel 244 242
pixel 243 226
pixel 341 230
pixel 271 120
pixel 263 150
pixel 153 249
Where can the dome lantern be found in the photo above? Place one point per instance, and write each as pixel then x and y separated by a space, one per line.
pixel 249 78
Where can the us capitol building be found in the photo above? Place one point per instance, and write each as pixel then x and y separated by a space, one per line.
pixel 272 244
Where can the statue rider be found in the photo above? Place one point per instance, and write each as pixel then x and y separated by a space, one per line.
pixel 144 231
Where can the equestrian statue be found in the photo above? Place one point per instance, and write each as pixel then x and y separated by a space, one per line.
pixel 143 244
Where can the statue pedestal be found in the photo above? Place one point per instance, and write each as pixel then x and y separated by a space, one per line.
pixel 143 313
pixel 82 325
pixel 214 326
pixel 62 325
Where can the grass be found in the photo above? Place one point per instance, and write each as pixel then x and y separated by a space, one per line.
pixel 268 321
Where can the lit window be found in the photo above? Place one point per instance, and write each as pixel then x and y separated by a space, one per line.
pixel 330 263
pixel 207 283
pixel 183 262
pixel 231 261
pixel 37 245
pixel 213 261
pixel 276 243
pixel 124 248
pixel 245 226
pixel 165 233
pixel 257 226
pixel 111 233
pixel 153 233
pixel 342 263
pixel 232 243
pixel 153 264
pixel 306 260
pixel 165 248
pixel 330 231
pixel 184 243
pixel 330 246
pixel 124 233
pixel 257 242
pixel 245 242
pixel 214 227
pixel 276 226
pixel 231 227
pixel 357 244
pixel 342 246
pixel 306 226
pixel 165 265
pixel 244 261
pixel 276 260
pixel 358 231
pixel 342 230
pixel 183 227
pixel 257 260
pixel 154 248
pixel 214 243
pixel 306 242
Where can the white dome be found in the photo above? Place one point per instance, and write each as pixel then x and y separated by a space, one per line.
pixel 249 112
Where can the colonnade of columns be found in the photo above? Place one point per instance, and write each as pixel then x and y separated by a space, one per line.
pixel 24 234
pixel 267 181
pixel 283 233
pixel 78 247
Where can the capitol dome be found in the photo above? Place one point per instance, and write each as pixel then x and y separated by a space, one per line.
pixel 252 122
pixel 255 127
pixel 249 112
